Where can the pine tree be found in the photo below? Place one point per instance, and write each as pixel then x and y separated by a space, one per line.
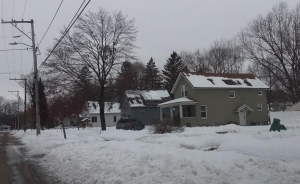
pixel 127 79
pixel 171 70
pixel 152 79
pixel 43 104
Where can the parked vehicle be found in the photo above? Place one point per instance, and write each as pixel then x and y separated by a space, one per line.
pixel 130 124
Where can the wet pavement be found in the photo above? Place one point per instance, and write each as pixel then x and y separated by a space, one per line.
pixel 16 167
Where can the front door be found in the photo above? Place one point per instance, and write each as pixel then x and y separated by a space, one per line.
pixel 242 117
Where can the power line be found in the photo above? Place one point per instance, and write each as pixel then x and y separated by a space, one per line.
pixel 22 32
pixel 67 30
pixel 13 10
pixel 24 10
pixel 51 22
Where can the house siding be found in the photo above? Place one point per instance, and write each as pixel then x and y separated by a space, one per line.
pixel 150 116
pixel 109 119
pixel 220 108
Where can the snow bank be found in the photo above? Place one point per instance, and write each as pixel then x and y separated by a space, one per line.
pixel 241 155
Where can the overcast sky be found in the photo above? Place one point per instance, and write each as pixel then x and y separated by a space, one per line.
pixel 164 26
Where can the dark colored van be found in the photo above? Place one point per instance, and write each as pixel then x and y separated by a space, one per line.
pixel 130 124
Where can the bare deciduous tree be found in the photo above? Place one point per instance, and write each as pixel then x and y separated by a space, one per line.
pixel 272 41
pixel 99 41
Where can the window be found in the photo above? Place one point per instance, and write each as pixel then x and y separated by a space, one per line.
pixel 94 119
pixel 142 112
pixel 259 107
pixel 231 94
pixel 188 111
pixel 115 118
pixel 260 93
pixel 183 91
pixel 203 111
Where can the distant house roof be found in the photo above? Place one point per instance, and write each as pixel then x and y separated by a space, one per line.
pixel 295 107
pixel 137 98
pixel 93 107
pixel 218 80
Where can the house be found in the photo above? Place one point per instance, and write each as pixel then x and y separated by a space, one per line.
pixel 212 99
pixel 112 113
pixel 295 107
pixel 142 105
pixel 4 128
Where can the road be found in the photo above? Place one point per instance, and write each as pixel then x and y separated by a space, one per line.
pixel 16 168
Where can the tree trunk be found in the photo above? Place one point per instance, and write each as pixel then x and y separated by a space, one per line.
pixel 63 126
pixel 102 109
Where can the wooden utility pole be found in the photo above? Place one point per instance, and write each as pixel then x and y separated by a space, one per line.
pixel 36 78
pixel 18 108
pixel 24 121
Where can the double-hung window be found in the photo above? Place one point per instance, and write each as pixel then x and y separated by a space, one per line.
pixel 231 94
pixel 183 91
pixel 203 111
pixel 259 107
pixel 94 119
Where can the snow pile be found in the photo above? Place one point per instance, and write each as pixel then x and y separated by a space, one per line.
pixel 198 155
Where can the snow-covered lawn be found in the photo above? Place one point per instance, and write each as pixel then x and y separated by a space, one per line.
pixel 243 155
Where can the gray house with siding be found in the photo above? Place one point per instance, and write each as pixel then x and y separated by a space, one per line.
pixel 142 105
pixel 213 99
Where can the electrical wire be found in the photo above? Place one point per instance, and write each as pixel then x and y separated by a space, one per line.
pixel 51 22
pixel 66 31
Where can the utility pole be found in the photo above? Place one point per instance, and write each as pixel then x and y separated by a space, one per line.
pixel 36 78
pixel 24 121
pixel 18 108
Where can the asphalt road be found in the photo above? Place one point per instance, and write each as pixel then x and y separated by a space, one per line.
pixel 16 167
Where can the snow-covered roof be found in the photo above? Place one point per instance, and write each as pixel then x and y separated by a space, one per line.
pixel 136 98
pixel 93 107
pixel 218 80
pixel 295 107
pixel 183 100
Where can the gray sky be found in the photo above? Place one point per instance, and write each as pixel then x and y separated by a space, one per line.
pixel 164 26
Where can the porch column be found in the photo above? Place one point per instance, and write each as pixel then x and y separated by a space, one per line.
pixel 180 111
pixel 171 112
pixel 160 113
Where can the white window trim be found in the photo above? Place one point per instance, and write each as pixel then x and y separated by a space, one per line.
pixel 203 111
pixel 260 93
pixel 260 106
pixel 233 94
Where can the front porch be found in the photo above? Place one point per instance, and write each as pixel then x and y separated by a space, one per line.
pixel 182 109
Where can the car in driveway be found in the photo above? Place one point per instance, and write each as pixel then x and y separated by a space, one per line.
pixel 130 124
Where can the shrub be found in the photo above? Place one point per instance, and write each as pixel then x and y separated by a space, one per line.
pixel 166 126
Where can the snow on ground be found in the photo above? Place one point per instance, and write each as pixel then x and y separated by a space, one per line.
pixel 244 155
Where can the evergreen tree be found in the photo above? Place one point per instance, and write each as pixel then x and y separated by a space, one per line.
pixel 127 79
pixel 43 104
pixel 171 70
pixel 152 79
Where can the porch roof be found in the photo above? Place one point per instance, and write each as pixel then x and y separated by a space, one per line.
pixel 178 101
pixel 243 107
